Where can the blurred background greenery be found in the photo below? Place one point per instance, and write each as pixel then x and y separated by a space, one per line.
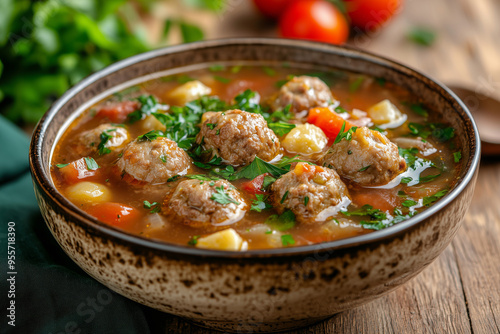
pixel 46 46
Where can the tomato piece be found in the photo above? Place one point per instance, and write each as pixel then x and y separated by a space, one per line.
pixel 328 121
pixel 383 199
pixel 316 20
pixel 77 171
pixel 115 214
pixel 118 112
pixel 371 14
pixel 254 186
pixel 272 8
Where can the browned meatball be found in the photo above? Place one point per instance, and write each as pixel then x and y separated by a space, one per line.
pixel 369 158
pixel 237 137
pixel 153 161
pixel 312 193
pixel 205 204
pixel 303 93
pixel 111 135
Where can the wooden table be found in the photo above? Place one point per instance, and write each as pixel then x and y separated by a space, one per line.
pixel 460 291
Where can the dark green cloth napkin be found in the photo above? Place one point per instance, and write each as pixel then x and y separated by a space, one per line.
pixel 52 294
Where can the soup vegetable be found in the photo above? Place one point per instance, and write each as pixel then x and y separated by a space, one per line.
pixel 247 157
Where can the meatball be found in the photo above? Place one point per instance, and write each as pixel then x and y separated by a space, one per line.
pixel 303 93
pixel 237 137
pixel 369 158
pixel 312 193
pixel 205 204
pixel 152 161
pixel 111 136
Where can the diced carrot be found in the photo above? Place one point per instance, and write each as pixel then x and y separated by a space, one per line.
pixel 383 199
pixel 115 214
pixel 117 112
pixel 328 121
pixel 77 171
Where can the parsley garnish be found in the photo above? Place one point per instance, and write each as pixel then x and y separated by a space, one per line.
pixel 287 240
pixel 347 134
pixel 260 203
pixel 340 110
pixel 174 178
pixel 149 105
pixel 194 240
pixel 419 110
pixel 364 168
pixel 431 199
pixel 215 161
pixel 409 203
pixel 406 180
pixel 222 79
pixel 356 84
pixel 163 158
pixel 306 200
pixel 151 135
pixel 62 165
pixel 281 128
pixel 211 126
pixel 105 137
pixel 457 156
pixel 221 197
pixel 282 222
pixel 269 71
pixel 258 167
pixel 422 36
pixel 91 163
pixel 284 197
pixel 154 207
pixel 428 178
pixel 202 177
pixel 268 180
pixel 216 68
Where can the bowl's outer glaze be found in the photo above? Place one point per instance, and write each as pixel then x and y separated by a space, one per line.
pixel 260 290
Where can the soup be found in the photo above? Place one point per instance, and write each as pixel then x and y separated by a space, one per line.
pixel 249 157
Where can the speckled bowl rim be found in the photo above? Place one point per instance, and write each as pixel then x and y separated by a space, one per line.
pixel 43 179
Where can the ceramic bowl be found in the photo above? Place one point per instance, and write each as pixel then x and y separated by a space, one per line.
pixel 261 290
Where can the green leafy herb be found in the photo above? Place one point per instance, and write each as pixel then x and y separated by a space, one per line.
pixel 406 180
pixel 151 135
pixel 268 180
pixel 356 84
pixel 347 134
pixel 163 158
pixel 442 133
pixel 419 130
pixel 211 126
pixel 194 240
pixel 260 203
pixel 287 240
pixel 286 162
pixel 91 163
pixel 149 105
pixel 364 168
pixel 190 32
pixel 410 156
pixel 282 222
pixel 215 161
pixel 269 71
pixel 409 203
pixel 340 110
pixel 428 178
pixel 284 197
pixel 216 68
pixel 248 101
pixel 105 137
pixel 283 115
pixel 457 156
pixel 431 199
pixel 226 172
pixel 61 165
pixel 281 128
pixel 202 177
pixel 419 110
pixel 306 200
pixel 222 79
pixel 154 207
pixel 422 36
pixel 280 83
pixel 220 196
pixel 174 178
pixel 367 210
pixel 258 167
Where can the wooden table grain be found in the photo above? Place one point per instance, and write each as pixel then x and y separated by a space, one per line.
pixel 460 291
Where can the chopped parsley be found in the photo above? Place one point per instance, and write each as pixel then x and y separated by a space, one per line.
pixel 306 200
pixel 457 156
pixel 105 137
pixel 284 197
pixel 260 203
pixel 340 110
pixel 151 135
pixel 220 196
pixel 153 207
pixel 91 163
pixel 428 178
pixel 287 240
pixel 269 71
pixel 222 79
pixel 409 203
pixel 419 109
pixel 211 126
pixel 194 240
pixel 366 210
pixel 61 165
pixel 281 128
pixel 258 167
pixel 202 177
pixel 345 134
pixel 149 105
pixel 163 158
pixel 406 180
pixel 174 178
pixel 268 180
pixel 215 161
pixel 433 198
pixel 282 222
pixel 356 84
pixel 422 36
pixel 364 168
pixel 216 68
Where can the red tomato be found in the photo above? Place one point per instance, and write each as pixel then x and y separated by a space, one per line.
pixel 272 8
pixel 115 214
pixel 117 112
pixel 328 121
pixel 254 186
pixel 371 14
pixel 383 199
pixel 77 170
pixel 316 20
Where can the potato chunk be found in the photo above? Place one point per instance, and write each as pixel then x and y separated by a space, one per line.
pixel 305 139
pixel 151 123
pixel 223 240
pixel 88 192
pixel 189 91
pixel 384 112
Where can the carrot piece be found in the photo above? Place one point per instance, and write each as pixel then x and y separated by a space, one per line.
pixel 118 112
pixel 383 199
pixel 328 121
pixel 77 171
pixel 115 214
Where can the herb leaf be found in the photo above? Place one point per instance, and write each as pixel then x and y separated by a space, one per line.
pixel 457 156
pixel 61 165
pixel 422 36
pixel 258 167
pixel 260 203
pixel 281 128
pixel 431 199
pixel 105 137
pixel 287 240
pixel 282 222
pixel 151 135
pixel 91 163
pixel 222 197
pixel 347 134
